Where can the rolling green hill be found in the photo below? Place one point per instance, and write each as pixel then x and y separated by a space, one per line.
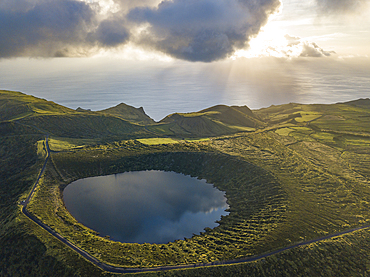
pixel 48 117
pixel 129 113
pixel 338 118
pixel 214 121
pixel 122 120
pixel 16 105
pixel 363 103
pixel 291 173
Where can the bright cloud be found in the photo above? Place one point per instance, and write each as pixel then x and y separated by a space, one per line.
pixel 272 42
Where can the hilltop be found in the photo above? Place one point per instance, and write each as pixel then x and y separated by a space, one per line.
pixel 129 113
pixel 213 121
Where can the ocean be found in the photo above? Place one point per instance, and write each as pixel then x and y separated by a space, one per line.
pixel 165 87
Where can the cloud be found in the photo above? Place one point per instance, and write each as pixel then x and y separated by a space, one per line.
pixel 202 30
pixel 284 46
pixel 55 28
pixel 43 28
pixel 311 49
pixel 341 6
pixel 195 30
pixel 297 47
pixel 110 33
pixel 125 6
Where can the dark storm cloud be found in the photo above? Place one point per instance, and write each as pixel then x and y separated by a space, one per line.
pixel 341 6
pixel 195 30
pixel 42 28
pixel 202 30
pixel 110 33
pixel 49 28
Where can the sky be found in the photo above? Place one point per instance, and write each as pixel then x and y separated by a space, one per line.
pixel 185 55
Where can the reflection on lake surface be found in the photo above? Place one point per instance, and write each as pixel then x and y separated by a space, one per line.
pixel 145 206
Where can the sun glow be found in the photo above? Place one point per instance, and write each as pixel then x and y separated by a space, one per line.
pixel 269 42
pixel 273 41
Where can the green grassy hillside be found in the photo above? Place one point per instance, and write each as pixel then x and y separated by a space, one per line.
pixel 300 172
pixel 214 121
pixel 363 103
pixel 122 120
pixel 47 117
pixel 16 105
pixel 129 113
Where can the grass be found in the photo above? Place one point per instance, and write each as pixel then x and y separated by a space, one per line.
pixel 237 128
pixel 214 121
pixel 64 144
pixel 157 141
pixel 198 140
pixel 308 116
pixel 284 131
pixel 161 129
pixel 324 137
pixel 342 256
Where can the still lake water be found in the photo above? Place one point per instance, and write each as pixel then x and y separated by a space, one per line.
pixel 145 206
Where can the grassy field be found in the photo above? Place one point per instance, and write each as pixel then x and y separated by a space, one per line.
pixel 302 173
pixel 156 141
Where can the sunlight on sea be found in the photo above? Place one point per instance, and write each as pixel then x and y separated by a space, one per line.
pixel 164 87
